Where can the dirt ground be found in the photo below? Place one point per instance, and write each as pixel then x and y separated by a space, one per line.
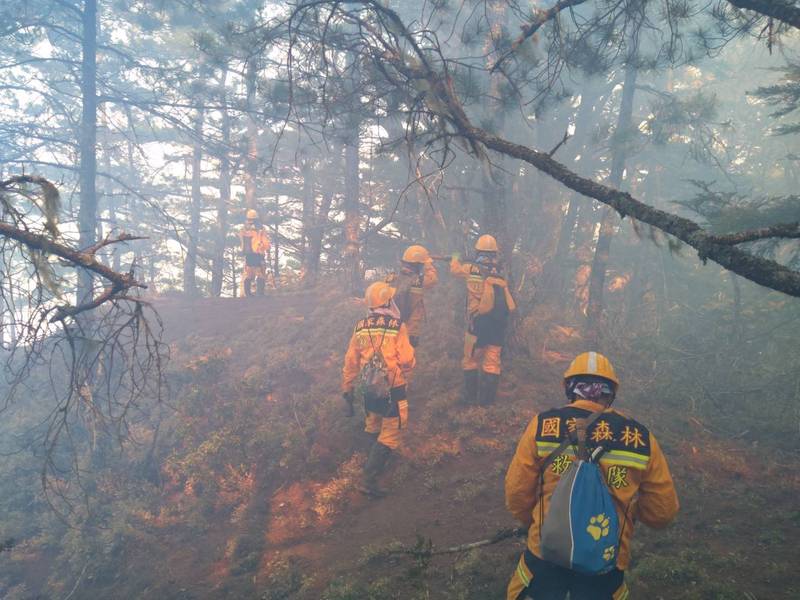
pixel 313 536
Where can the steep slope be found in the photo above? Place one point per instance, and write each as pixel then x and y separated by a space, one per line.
pixel 259 465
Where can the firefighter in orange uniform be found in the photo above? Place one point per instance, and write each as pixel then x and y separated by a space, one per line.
pixel 633 466
pixel 254 246
pixel 417 274
pixel 380 344
pixel 489 304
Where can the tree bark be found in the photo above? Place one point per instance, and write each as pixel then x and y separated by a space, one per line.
pixel 783 11
pixel 315 239
pixel 495 196
pixel 597 279
pixel 87 213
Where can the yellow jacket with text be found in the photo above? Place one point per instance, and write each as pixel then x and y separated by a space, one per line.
pixel 374 333
pixel 474 280
pixel 633 465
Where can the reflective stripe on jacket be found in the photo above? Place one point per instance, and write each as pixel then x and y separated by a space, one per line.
pixel 374 333
pixel 633 465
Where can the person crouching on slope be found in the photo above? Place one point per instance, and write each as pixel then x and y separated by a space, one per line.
pixel 379 356
pixel 632 467
pixel 417 274
pixel 489 305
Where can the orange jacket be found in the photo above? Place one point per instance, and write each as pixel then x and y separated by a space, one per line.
pixel 634 467
pixel 377 332
pixel 254 239
pixel 416 286
pixel 474 279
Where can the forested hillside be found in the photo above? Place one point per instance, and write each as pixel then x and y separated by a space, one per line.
pixel 172 416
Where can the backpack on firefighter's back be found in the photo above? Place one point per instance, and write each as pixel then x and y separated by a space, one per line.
pixel 373 380
pixel 581 528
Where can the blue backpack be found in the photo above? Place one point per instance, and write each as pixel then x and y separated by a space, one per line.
pixel 581 529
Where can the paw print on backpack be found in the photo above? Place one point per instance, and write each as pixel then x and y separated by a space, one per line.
pixel 598 526
pixel 608 553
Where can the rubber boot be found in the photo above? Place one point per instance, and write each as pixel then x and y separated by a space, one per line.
pixel 260 286
pixel 489 383
pixel 374 466
pixel 247 286
pixel 367 440
pixel 470 393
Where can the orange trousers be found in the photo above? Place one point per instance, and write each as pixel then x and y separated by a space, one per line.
pixel 486 358
pixel 389 429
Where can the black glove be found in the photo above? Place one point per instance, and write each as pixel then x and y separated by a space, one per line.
pixel 349 398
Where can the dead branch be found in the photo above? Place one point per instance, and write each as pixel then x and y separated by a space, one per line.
pixel 399 50
pixel 559 144
pixel 86 260
pixel 784 11
pixel 93 377
pixel 786 230
pixel 426 550
pixel 109 240
pixel 540 17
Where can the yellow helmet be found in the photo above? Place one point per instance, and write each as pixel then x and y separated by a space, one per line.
pixel 252 214
pixel 486 243
pixel 378 294
pixel 416 254
pixel 591 363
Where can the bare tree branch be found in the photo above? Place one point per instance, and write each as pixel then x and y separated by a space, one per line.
pixel 540 17
pixel 785 11
pixel 92 374
pixel 787 230
pixel 86 260
pixel 388 41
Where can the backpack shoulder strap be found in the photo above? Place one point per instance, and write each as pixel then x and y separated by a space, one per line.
pixel 568 441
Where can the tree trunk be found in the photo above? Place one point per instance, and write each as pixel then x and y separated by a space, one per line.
pixel 109 199
pixel 190 263
pixel 87 213
pixel 352 251
pixel 224 198
pixel 308 219
pixel 554 277
pixel 251 162
pixel 315 239
pixel 609 221
pixel 130 204
pixel 275 252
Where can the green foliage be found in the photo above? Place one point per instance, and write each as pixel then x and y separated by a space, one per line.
pixel 785 97
pixel 285 579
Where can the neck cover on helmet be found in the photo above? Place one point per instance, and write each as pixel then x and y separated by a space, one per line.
pixel 594 390
pixel 391 310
